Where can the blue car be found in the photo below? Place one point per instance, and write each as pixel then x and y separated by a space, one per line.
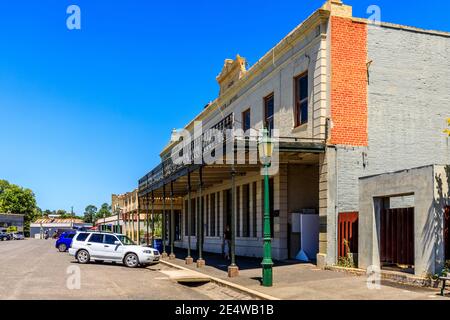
pixel 64 241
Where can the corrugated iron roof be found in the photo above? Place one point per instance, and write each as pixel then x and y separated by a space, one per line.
pixel 49 220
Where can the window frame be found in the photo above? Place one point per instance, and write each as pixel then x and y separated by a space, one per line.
pixel 95 234
pixel 298 102
pixel 244 113
pixel 83 234
pixel 272 117
pixel 112 236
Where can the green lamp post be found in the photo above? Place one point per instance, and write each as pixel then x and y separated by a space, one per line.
pixel 265 154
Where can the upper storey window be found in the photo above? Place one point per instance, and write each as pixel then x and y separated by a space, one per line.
pixel 269 106
pixel 301 99
pixel 246 120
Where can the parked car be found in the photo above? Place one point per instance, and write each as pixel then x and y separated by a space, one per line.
pixel 111 247
pixel 64 241
pixel 18 236
pixel 4 236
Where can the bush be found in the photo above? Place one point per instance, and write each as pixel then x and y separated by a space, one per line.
pixel 345 262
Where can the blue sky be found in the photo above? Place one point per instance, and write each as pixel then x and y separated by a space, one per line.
pixel 85 113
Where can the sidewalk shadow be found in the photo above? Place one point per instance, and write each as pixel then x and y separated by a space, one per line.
pixel 217 261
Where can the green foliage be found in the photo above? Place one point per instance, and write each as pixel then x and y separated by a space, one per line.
pixel 11 229
pixel 90 213
pixel 18 200
pixel 347 261
pixel 104 212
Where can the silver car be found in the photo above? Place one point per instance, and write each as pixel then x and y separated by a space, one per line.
pixel 111 247
pixel 18 236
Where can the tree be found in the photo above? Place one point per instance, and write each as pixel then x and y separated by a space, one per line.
pixel 14 199
pixel 18 200
pixel 104 212
pixel 90 213
pixel 62 213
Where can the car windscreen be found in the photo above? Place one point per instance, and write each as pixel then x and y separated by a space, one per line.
pixel 82 236
pixel 126 241
pixel 70 236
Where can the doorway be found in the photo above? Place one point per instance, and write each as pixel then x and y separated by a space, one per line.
pixel 397 238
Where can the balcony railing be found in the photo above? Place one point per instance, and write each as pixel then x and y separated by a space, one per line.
pixel 208 143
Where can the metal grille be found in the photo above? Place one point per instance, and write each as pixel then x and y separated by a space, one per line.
pixel 397 236
pixel 348 230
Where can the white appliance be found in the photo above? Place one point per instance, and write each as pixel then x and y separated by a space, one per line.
pixel 306 224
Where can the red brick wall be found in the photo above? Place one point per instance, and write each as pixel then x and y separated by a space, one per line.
pixel 348 82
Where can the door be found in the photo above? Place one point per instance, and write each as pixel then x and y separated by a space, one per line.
pixel 348 233
pixel 112 251
pixel 397 237
pixel 95 245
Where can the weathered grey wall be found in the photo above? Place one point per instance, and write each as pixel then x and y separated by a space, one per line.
pixel 428 215
pixel 408 104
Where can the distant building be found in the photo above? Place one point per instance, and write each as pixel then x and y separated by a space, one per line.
pixel 56 224
pixel 11 220
pixel 134 216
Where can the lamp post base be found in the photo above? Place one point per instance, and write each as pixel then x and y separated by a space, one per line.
pixel 164 255
pixel 200 263
pixel 189 260
pixel 172 256
pixel 267 274
pixel 233 271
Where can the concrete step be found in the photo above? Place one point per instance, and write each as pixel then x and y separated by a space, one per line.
pixel 186 276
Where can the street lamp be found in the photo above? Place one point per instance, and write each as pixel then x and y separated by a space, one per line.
pixel 265 155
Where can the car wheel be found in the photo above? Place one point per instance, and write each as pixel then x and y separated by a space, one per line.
pixel 83 256
pixel 131 260
pixel 62 247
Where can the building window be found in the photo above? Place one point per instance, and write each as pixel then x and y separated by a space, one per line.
pixel 254 213
pixel 246 210
pixel 193 217
pixel 301 99
pixel 238 212
pixel 246 120
pixel 212 213
pixel 269 112
pixel 186 232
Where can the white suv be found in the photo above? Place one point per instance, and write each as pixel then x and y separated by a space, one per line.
pixel 99 247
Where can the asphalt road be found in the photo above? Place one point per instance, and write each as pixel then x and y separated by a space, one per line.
pixel 34 269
